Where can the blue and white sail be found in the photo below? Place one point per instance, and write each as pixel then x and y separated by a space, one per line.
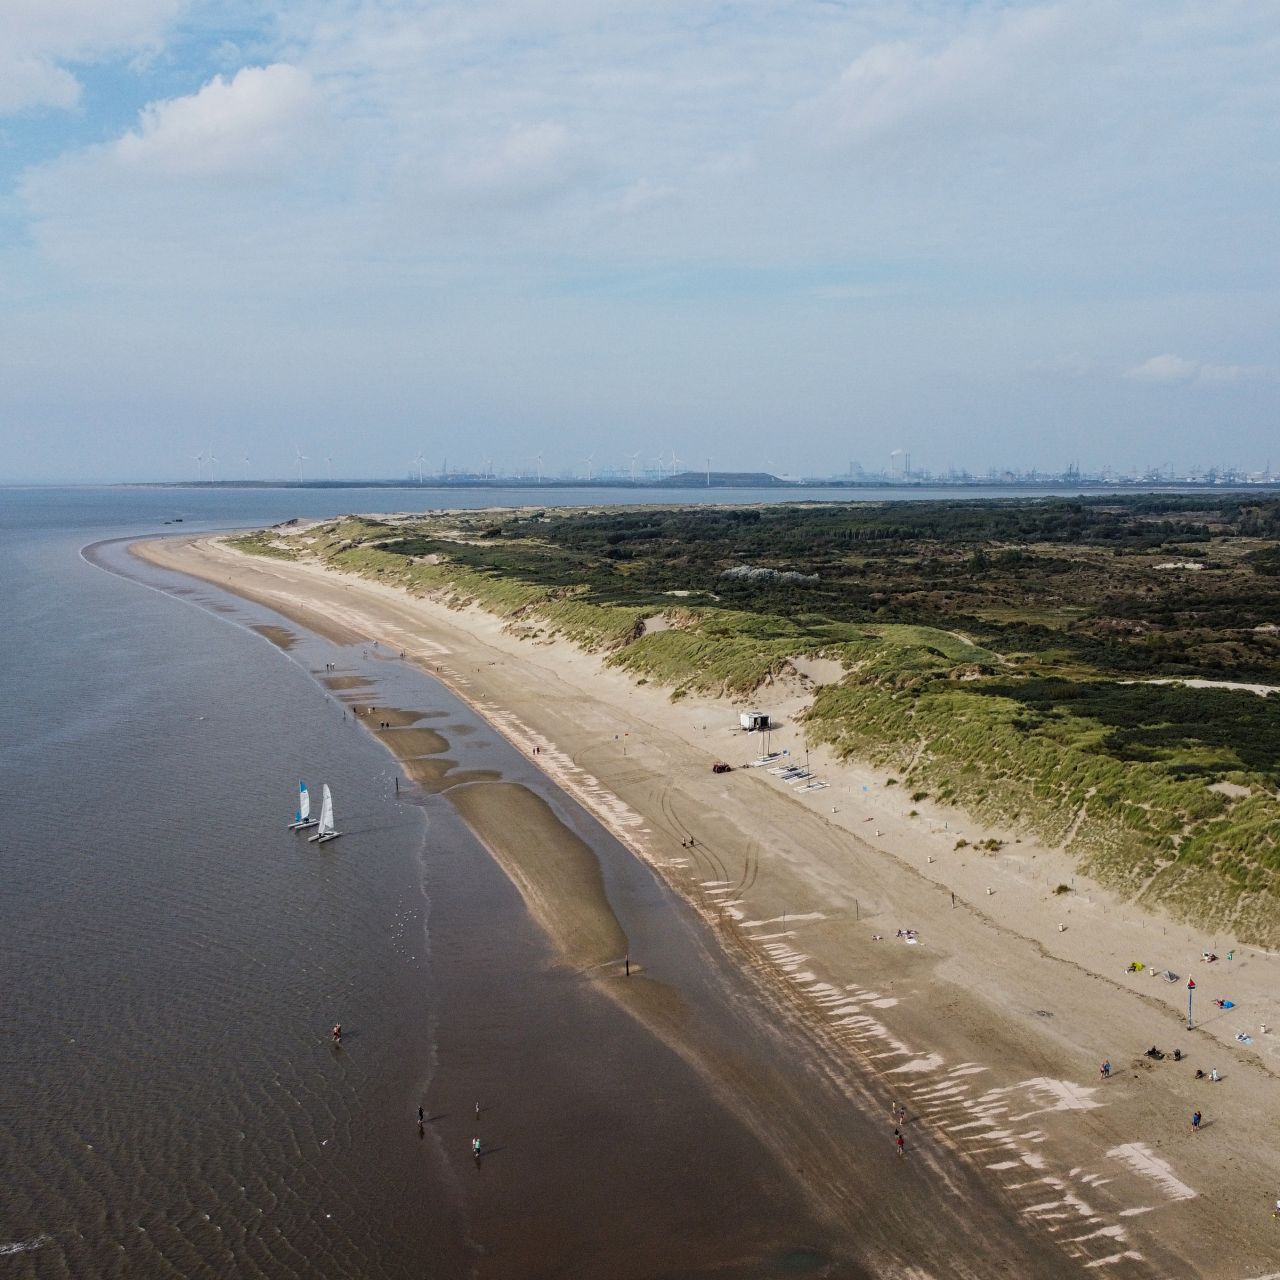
pixel 303 817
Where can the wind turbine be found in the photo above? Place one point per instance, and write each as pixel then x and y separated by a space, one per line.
pixel 708 473
pixel 658 462
pixel 301 460
pixel 213 462
pixel 675 462
pixel 538 461
pixel 634 456
pixel 328 462
pixel 199 468
pixel 590 460
pixel 420 461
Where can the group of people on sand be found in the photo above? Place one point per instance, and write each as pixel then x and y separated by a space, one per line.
pixel 900 1115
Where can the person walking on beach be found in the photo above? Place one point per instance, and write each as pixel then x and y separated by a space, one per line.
pixel 1105 1070
pixel 1195 1122
pixel 421 1116
pixel 477 1111
pixel 475 1149
pixel 900 1142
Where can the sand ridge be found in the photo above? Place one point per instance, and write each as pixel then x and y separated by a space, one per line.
pixel 988 1026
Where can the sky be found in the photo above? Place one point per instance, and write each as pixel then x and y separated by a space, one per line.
pixel 392 236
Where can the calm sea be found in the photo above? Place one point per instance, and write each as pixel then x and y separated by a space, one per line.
pixel 173 958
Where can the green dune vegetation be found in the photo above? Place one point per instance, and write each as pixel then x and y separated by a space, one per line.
pixel 998 655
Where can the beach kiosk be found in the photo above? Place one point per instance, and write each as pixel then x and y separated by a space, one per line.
pixel 754 721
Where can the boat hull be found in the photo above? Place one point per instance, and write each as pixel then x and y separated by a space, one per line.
pixel 306 822
pixel 328 835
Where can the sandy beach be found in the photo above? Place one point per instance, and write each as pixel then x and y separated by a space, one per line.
pixel 988 1024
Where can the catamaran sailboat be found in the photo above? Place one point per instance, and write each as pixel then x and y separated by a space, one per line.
pixel 325 831
pixel 303 817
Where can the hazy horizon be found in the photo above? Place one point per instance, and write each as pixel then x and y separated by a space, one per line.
pixel 784 238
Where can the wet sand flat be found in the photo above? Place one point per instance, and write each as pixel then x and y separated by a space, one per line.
pixel 281 637
pixel 408 743
pixel 556 872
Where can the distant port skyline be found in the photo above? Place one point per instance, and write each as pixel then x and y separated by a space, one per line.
pixel 898 472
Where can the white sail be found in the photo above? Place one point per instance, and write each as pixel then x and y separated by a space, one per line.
pixel 326 812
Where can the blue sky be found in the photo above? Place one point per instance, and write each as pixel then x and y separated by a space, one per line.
pixel 773 232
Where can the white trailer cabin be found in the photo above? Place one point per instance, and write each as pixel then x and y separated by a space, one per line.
pixel 753 721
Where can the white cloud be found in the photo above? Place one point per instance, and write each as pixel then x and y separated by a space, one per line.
pixel 1165 368
pixel 993 72
pixel 1171 370
pixel 644 195
pixel 529 160
pixel 41 36
pixel 31 82
pixel 249 125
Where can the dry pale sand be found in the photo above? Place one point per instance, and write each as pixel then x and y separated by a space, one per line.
pixel 989 1028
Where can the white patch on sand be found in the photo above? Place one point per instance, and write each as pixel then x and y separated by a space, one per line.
pixel 1112 1233
pixel 1128 1254
pixel 1140 1158
pixel 1045 1094
pixel 789 918
pixel 930 1062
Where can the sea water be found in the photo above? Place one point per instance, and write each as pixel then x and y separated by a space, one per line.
pixel 174 958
